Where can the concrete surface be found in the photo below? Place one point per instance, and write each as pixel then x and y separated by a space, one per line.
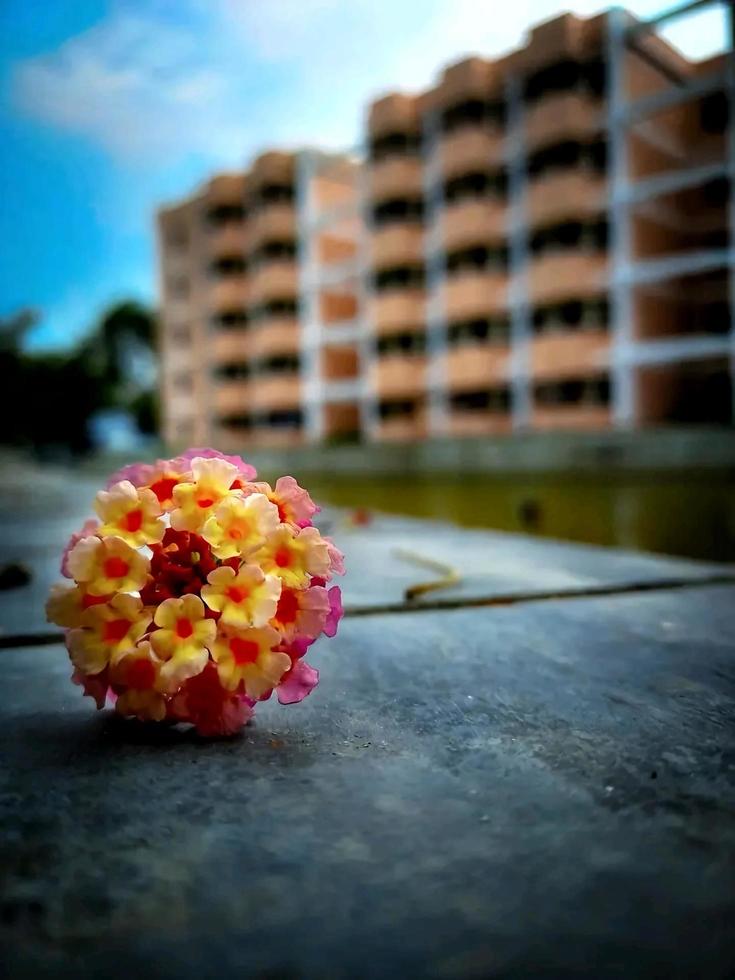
pixel 541 790
pixel 40 509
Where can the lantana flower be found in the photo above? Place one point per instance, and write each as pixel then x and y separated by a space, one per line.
pixel 130 513
pixel 245 597
pixel 248 657
pixel 240 525
pixel 66 605
pixel 195 500
pixel 138 676
pixel 294 555
pixel 183 638
pixel 197 593
pixel 108 631
pixel 295 506
pixel 301 612
pixel 107 565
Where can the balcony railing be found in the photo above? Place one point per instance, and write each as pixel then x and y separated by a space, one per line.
pixel 396 177
pixel 576 193
pixel 473 367
pixel 399 376
pixel 567 275
pixel 472 222
pixel 573 353
pixel 472 295
pixel 397 310
pixel 563 114
pixel 470 149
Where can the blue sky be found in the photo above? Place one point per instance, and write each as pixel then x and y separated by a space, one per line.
pixel 110 107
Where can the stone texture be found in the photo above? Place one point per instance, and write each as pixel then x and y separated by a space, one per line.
pixel 538 790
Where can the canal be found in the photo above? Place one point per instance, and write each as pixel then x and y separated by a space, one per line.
pixel 692 515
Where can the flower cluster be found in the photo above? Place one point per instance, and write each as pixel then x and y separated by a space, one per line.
pixel 197 592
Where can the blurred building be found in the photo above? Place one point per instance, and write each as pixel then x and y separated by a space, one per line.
pixel 541 241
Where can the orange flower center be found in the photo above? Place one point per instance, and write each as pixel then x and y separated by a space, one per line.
pixel 184 629
pixel 282 558
pixel 141 674
pixel 237 593
pixel 243 651
pixel 116 567
pixel 115 630
pixel 133 521
pixel 235 533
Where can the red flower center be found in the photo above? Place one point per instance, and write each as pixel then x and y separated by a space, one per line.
pixel 164 488
pixel 243 651
pixel 184 629
pixel 141 674
pixel 116 567
pixel 288 606
pixel 237 593
pixel 115 630
pixel 133 521
pixel 282 557
pixel 205 502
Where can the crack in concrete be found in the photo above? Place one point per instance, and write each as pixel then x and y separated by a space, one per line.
pixel 46 638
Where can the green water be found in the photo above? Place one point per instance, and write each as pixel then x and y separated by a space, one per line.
pixel 692 516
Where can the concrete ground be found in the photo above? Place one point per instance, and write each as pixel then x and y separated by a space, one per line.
pixel 530 774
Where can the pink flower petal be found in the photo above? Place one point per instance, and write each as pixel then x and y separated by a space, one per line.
pixel 336 611
pixel 300 681
pixel 95 686
pixel 336 557
pixel 136 473
pixel 247 472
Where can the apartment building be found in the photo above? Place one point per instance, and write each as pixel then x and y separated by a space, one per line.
pixel 540 241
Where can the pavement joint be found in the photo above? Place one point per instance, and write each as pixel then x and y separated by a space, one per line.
pixel 45 638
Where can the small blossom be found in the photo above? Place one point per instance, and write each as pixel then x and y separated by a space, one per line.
pixel 65 606
pixel 88 528
pixel 107 565
pixel 130 513
pixel 244 598
pixel 138 675
pixel 294 555
pixel 297 683
pixel 245 471
pixel 211 708
pixel 336 612
pixel 336 558
pixel 248 657
pixel 109 630
pixel 301 612
pixel 162 480
pixel 182 639
pixel 136 473
pixel 295 506
pixel 240 525
pixel 95 686
pixel 195 501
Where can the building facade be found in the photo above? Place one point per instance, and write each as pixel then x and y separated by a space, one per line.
pixel 540 241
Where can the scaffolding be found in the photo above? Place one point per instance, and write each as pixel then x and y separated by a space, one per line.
pixel 628 40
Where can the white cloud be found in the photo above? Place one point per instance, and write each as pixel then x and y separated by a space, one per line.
pixel 221 78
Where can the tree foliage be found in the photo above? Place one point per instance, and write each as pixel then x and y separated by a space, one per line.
pixel 47 399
